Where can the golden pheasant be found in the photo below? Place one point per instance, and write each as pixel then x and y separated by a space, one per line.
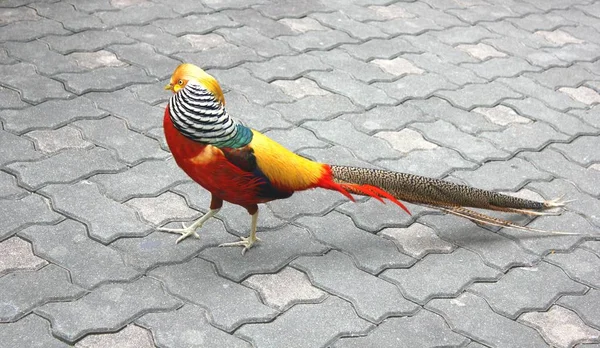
pixel 242 166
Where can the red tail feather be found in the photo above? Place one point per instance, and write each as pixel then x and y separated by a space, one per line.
pixel 376 193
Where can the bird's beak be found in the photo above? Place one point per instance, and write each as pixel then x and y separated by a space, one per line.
pixel 169 87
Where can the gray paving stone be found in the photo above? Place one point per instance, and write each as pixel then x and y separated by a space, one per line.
pixel 415 86
pixel 143 55
pixel 554 99
pixel 17 214
pixel 590 116
pixel 440 275
pixel 189 327
pixel 17 255
pixel 501 67
pixel 286 67
pixel 447 135
pixel 31 331
pixel 147 179
pixel 525 137
pixel 356 29
pixel 553 78
pixel 51 114
pixel 68 16
pixel 159 248
pixel 255 90
pixel 162 209
pixel 51 141
pixel 493 12
pixel 586 306
pixel 474 95
pixel 67 245
pixel 274 250
pixel 424 329
pixel 535 109
pixel 463 35
pixel 593 246
pixel 386 118
pixel 437 162
pixel 32 87
pixel 10 99
pixel 365 72
pixel 527 289
pixel 315 107
pixel 14 148
pixel 284 289
pixel 455 74
pixel 253 114
pixel 586 179
pixel 105 219
pixel 38 53
pixel 552 323
pixel 163 42
pixel 104 79
pixel 125 105
pixel 422 9
pixel 373 298
pixel 25 290
pixel 380 48
pixel 342 132
pixel 86 41
pixel 339 314
pixel 336 155
pixel 228 304
pixel 407 26
pixel 496 251
pixel 516 173
pixel 471 316
pixel 65 167
pixel 317 40
pixel 580 265
pixel 252 38
pixel 112 133
pixel 296 139
pixel 109 308
pixel 265 26
pixel 291 8
pixel 370 253
pixel 131 336
pixel 429 43
pixel 31 30
pixel 373 216
pixel 222 57
pixel 136 15
pixel 578 150
pixel 9 188
pixel 521 47
pixel 469 122
pixel 362 94
pixel 576 52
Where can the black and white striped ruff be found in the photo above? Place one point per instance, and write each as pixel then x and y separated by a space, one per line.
pixel 198 115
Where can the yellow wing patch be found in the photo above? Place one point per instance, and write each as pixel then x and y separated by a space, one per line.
pixel 284 168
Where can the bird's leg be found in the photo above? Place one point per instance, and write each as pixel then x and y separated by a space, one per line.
pixel 247 243
pixel 215 206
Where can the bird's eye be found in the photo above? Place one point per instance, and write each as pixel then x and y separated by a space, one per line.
pixel 180 82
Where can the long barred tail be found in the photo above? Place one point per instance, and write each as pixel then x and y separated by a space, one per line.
pixel 444 195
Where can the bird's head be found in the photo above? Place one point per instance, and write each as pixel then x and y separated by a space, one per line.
pixel 189 72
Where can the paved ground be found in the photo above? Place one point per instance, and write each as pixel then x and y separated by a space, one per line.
pixel 498 94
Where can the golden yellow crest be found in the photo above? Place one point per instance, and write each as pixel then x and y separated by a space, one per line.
pixel 189 72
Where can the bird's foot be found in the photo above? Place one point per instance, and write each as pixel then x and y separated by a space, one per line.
pixel 185 231
pixel 247 243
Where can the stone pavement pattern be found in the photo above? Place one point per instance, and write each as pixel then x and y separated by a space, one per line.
pixel 503 95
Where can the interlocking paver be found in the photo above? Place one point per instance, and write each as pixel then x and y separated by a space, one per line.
pixel 286 67
pixel 17 255
pixel 440 275
pixel 552 326
pixel 89 263
pixel 105 219
pixel 360 70
pixel 318 107
pixel 17 214
pixel 33 87
pixel 415 86
pixel 284 289
pixel 31 30
pixel 24 290
pixel 424 329
pixel 406 140
pixel 45 60
pixel 31 331
pixel 68 16
pixel 380 48
pixel 437 162
pixel 14 148
pixel 250 37
pixel 471 316
pixel 561 77
pixel 229 304
pixel 109 308
pixel 553 98
pixel 417 240
pixel 143 54
pixel 579 265
pixel 374 299
pixel 65 167
pixel 264 25
pixel 9 188
pixel 104 79
pixel 474 95
pixel 188 327
pixel 338 313
pixel 130 337
pixel 369 252
pixel 356 29
pixel 527 289
pixel 86 41
pixel 51 141
pixel 587 306
pixel 276 249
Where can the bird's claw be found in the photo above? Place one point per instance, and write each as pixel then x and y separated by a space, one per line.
pixel 185 232
pixel 247 243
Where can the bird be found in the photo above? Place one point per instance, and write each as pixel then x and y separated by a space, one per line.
pixel 240 165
